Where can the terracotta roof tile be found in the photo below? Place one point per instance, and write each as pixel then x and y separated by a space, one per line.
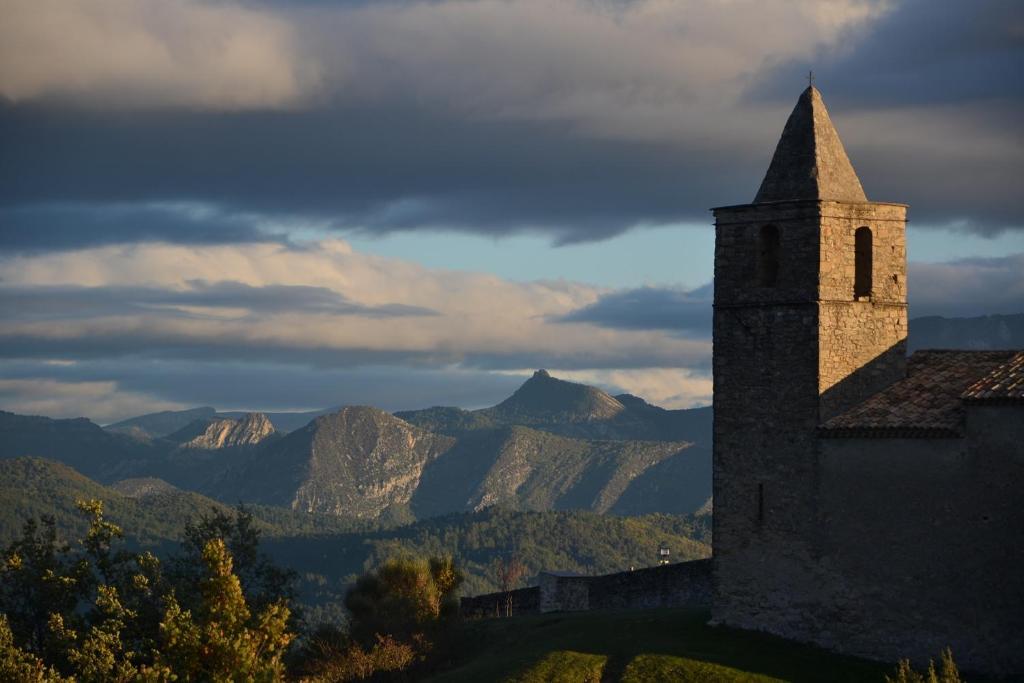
pixel 927 403
pixel 1005 384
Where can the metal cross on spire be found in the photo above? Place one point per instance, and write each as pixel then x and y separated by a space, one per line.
pixel 810 79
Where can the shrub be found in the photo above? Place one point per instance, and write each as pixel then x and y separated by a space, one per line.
pixel 947 673
pixel 403 598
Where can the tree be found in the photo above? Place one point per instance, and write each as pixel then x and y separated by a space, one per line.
pixel 223 640
pixel 508 572
pixel 21 666
pixel 402 598
pixel 263 583
pixel 99 613
pixel 39 576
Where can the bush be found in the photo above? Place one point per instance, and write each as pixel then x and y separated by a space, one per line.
pixel 404 598
pixel 387 658
pixel 398 624
pixel 947 673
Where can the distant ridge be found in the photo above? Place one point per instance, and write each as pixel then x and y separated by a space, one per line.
pixel 983 333
pixel 155 425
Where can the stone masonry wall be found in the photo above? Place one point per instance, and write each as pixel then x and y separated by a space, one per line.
pixel 883 548
pixel 683 584
pixel 922 546
pixel 765 415
pixel 524 601
pixel 782 355
pixel 861 344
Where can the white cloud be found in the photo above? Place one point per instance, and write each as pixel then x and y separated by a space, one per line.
pixel 649 69
pixel 151 53
pixel 646 68
pixel 481 319
pixel 101 401
pixel 668 387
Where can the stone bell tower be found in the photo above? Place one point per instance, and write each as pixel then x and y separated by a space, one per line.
pixel 810 318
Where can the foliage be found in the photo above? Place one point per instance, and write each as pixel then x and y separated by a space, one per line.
pixel 330 552
pixel 21 666
pixel 947 672
pixel 97 612
pixel 404 598
pixel 263 583
pixel 223 641
pixel 400 617
pixel 333 663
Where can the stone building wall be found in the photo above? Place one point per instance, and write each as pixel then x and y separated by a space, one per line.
pixel 784 357
pixel 765 414
pixel 922 544
pixel 862 343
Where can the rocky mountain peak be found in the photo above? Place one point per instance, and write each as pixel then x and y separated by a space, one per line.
pixel 544 396
pixel 248 430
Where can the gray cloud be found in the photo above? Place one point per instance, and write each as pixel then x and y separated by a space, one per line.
pixel 964 288
pixel 917 53
pixel 263 386
pixel 69 301
pixel 432 116
pixel 650 308
pixel 967 288
pixel 369 168
pixel 69 225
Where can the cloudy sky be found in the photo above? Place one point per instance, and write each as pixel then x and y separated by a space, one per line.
pixel 306 203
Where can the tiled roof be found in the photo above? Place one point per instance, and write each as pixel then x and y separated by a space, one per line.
pixel 927 403
pixel 1005 384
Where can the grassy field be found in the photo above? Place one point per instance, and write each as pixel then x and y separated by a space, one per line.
pixel 637 646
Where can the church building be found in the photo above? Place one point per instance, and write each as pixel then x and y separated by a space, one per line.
pixel 864 501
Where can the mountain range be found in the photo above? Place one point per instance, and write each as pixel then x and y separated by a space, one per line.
pixel 552 445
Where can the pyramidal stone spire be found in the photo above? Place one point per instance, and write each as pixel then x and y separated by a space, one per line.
pixel 810 162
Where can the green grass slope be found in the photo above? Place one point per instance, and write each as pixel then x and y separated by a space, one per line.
pixel 642 646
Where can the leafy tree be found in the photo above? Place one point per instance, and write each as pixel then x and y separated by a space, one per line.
pixel 38 577
pixel 223 641
pixel 21 666
pixel 263 583
pixel 100 613
pixel 403 598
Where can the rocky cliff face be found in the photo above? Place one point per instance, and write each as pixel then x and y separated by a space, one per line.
pixel 356 462
pixel 249 430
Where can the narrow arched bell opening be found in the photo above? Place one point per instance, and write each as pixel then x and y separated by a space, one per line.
pixel 862 263
pixel 769 248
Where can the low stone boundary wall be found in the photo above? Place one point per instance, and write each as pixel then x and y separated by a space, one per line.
pixel 684 584
pixel 524 601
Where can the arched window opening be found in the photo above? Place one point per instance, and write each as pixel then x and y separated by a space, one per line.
pixel 768 256
pixel 862 263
